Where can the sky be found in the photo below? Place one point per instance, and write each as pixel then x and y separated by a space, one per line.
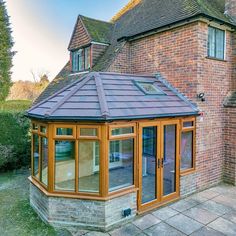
pixel 42 31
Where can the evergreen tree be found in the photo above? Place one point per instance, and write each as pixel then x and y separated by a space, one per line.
pixel 6 54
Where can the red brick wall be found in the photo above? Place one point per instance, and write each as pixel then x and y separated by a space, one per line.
pixel 230 146
pixel 180 55
pixel 121 63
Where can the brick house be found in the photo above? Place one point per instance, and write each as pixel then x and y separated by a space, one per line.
pixel 190 46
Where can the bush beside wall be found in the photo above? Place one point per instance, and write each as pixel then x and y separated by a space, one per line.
pixel 14 135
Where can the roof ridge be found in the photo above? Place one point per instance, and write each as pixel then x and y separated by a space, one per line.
pixel 71 93
pixel 129 6
pixel 101 95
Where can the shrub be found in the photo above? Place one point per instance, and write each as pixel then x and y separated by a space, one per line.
pixel 14 137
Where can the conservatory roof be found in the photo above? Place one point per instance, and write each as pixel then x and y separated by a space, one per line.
pixel 101 96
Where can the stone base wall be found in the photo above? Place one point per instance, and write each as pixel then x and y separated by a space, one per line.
pixel 87 214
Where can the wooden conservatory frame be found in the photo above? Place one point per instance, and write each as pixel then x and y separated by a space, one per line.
pixel 104 136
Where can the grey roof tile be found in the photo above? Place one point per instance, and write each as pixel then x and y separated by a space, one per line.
pixel 99 96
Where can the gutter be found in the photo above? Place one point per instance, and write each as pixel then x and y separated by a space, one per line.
pixel 110 119
pixel 175 25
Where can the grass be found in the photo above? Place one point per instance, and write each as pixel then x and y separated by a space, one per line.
pixel 17 218
pixel 15 105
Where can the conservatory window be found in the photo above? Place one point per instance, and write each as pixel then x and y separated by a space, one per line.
pixel 64 165
pixel 44 161
pixel 121 164
pixel 89 166
pixel 36 155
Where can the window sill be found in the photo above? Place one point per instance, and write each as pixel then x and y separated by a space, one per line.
pixel 216 59
pixel 187 172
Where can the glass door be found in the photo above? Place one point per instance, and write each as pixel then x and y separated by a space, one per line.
pixel 169 160
pixel 158 163
pixel 149 158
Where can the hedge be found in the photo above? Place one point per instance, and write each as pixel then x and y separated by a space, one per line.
pixel 14 135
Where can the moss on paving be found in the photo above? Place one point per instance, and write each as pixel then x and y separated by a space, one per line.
pixel 17 218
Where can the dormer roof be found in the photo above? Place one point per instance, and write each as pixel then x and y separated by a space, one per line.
pixel 91 30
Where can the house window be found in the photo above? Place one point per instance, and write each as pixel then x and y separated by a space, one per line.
pixel 44 161
pixel 187 146
pixel 216 43
pixel 81 60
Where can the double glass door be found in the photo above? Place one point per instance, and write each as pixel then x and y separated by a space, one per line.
pixel 159 162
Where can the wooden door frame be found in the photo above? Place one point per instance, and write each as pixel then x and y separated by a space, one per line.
pixel 177 164
pixel 161 200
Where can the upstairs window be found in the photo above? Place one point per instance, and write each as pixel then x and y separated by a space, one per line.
pixel 216 43
pixel 81 60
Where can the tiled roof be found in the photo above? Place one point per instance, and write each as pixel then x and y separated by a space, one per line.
pixel 109 96
pixel 59 82
pixel 231 100
pixel 137 18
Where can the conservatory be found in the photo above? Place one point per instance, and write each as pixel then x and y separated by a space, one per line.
pixel 109 146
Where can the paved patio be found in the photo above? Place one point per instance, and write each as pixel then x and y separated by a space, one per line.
pixel 208 213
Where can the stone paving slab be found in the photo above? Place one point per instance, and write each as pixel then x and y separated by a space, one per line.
pixel 165 213
pixel 224 226
pixel 163 229
pixel 127 230
pixel 146 221
pixel 184 224
pixel 201 215
pixel 183 205
pixel 206 231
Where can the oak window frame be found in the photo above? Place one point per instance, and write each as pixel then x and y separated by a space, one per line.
pixel 186 130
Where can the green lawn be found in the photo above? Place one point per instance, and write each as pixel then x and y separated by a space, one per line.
pixel 15 105
pixel 16 216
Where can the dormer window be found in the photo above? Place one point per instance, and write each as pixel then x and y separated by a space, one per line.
pixel 81 59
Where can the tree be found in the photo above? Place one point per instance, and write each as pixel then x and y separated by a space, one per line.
pixel 6 54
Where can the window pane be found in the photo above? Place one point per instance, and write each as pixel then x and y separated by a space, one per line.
pixel 36 155
pixel 89 164
pixel 43 129
pixel 87 58
pixel 150 88
pixel 88 132
pixel 187 150
pixel 75 61
pixel 65 165
pixel 149 163
pixel 44 161
pixel 188 124
pixel 122 131
pixel 121 164
pixel 35 127
pixel 80 60
pixel 169 169
pixel 211 42
pixel 64 131
pixel 220 35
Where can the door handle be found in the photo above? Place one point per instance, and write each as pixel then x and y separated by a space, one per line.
pixel 162 162
pixel 158 163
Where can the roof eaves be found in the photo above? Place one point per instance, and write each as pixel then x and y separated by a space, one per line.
pixel 171 25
